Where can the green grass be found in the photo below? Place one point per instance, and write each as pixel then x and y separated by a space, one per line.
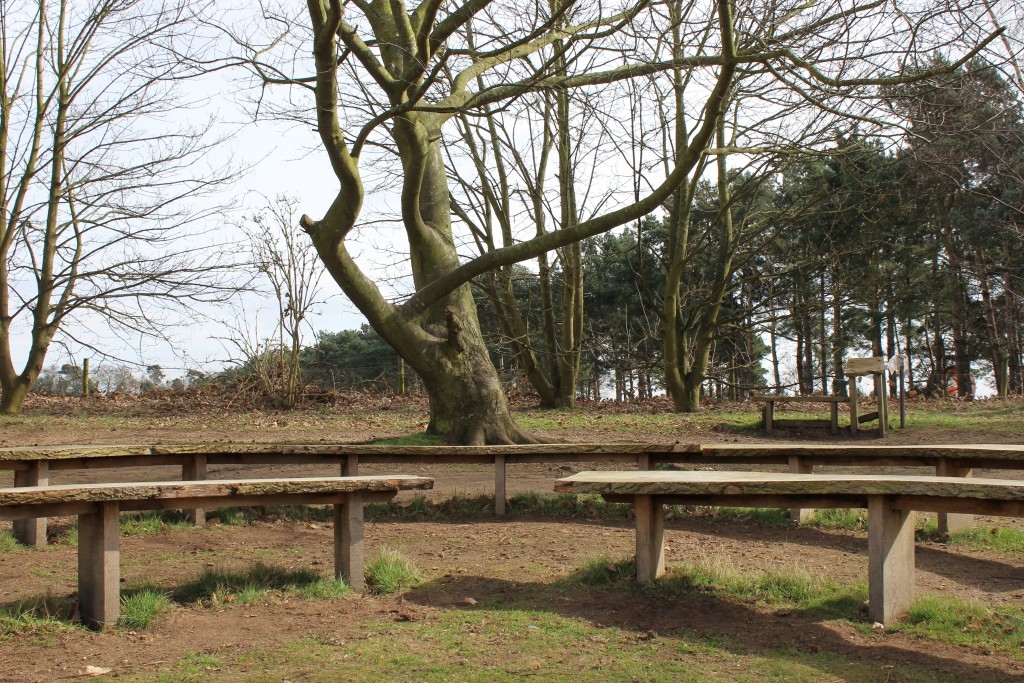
pixel 217 587
pixel 413 439
pixel 141 607
pixel 637 425
pixel 998 539
pixel 391 571
pixel 603 570
pixel 839 518
pixel 152 522
pixel 762 516
pixel 9 544
pixel 963 623
pixel 566 505
pixel 793 589
pixel 38 617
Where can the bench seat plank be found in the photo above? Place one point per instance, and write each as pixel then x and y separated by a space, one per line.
pixel 226 488
pixel 699 483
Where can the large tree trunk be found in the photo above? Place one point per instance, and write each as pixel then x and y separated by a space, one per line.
pixel 467 401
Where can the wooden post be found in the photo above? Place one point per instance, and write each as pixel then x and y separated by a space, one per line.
pixel 769 416
pixel 951 522
pixel 348 542
pixel 499 485
pixel 904 361
pixel 85 377
pixel 32 531
pixel 195 471
pixel 401 377
pixel 99 566
pixel 883 405
pixel 890 560
pixel 833 425
pixel 851 381
pixel 645 462
pixel 650 538
pixel 798 466
pixel 350 466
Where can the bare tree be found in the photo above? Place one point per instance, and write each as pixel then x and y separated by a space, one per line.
pixel 382 99
pixel 100 177
pixel 291 267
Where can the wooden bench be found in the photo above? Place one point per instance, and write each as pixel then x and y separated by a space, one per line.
pixel 889 499
pixel 768 412
pixel 98 507
pixel 32 465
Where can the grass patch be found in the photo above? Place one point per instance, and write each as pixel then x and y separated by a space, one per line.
pixel 391 571
pixel 216 587
pixel 793 589
pixel 566 505
pixel 964 623
pixel 839 518
pixel 762 516
pixel 412 439
pixel 139 608
pixel 999 539
pixel 603 571
pixel 324 588
pixel 8 543
pixel 152 522
pixel 41 616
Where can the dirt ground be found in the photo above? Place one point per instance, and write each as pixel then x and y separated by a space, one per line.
pixel 470 558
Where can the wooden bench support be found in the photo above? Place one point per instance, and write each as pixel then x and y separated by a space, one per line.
pixel 951 522
pixel 32 531
pixel 890 560
pixel 650 538
pixel 348 543
pixel 99 567
pixel 195 471
pixel 798 466
pixel 499 485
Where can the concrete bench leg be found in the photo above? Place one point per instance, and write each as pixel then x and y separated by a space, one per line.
pixel 951 522
pixel 32 531
pixel 348 542
pixel 650 538
pixel 195 471
pixel 798 466
pixel 499 485
pixel 890 560
pixel 99 567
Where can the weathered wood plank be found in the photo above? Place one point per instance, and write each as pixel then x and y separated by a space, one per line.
pixel 781 484
pixel 865 366
pixel 227 489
